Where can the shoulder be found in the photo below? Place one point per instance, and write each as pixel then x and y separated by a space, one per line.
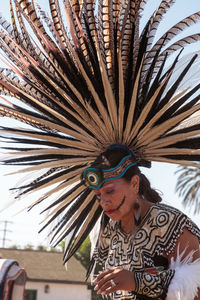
pixel 178 216
pixel 165 215
pixel 165 224
pixel 163 211
pixel 160 208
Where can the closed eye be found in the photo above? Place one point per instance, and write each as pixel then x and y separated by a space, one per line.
pixel 105 192
pixel 109 192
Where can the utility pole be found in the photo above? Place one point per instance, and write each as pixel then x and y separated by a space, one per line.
pixel 5 230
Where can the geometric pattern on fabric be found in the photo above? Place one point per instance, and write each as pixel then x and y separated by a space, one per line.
pixel 82 75
pixel 157 235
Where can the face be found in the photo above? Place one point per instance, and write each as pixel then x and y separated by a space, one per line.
pixel 118 196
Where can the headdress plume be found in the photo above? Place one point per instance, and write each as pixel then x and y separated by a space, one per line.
pixel 87 75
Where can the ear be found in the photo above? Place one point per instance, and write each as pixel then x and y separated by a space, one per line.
pixel 135 180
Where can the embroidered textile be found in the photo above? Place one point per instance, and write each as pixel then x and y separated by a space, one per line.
pixel 158 234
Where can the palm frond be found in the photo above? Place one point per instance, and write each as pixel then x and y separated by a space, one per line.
pixel 188 186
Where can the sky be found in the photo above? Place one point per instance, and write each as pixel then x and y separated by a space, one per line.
pixel 22 228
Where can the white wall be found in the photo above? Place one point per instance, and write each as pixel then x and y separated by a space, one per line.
pixel 60 291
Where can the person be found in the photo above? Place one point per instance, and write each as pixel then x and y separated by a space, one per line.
pixel 102 73
pixel 140 237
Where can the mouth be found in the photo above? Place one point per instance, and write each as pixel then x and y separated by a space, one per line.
pixel 110 211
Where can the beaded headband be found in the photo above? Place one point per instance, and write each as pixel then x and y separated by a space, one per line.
pixel 96 177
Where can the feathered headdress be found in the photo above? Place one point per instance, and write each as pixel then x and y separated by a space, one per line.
pixel 87 75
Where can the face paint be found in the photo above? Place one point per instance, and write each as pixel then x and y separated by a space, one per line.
pixel 111 211
pixel 122 202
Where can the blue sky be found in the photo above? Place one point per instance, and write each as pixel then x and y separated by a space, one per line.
pixel 26 225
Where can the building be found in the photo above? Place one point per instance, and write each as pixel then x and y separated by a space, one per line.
pixel 47 277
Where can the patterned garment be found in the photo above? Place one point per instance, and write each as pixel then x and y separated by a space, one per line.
pixel 158 234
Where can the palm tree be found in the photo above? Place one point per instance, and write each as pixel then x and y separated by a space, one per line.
pixel 188 186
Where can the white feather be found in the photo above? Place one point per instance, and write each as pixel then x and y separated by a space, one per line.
pixel 94 236
pixel 186 280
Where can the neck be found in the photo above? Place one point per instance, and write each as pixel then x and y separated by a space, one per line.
pixel 128 224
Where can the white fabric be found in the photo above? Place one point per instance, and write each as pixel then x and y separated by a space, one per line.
pixel 11 272
pixel 186 281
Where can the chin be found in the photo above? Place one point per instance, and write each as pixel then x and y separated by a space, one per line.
pixel 113 216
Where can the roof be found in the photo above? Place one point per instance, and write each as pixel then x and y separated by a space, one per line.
pixel 46 266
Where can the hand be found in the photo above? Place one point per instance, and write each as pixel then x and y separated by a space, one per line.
pixel 123 280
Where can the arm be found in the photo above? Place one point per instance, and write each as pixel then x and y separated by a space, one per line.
pixel 149 283
pixel 182 279
pixel 198 297
pixel 186 262
pixel 155 284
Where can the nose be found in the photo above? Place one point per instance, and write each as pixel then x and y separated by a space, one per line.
pixel 103 200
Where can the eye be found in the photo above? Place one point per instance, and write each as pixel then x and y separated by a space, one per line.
pixel 109 192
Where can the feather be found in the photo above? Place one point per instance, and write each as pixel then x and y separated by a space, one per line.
pixel 185 283
pixel 170 34
pixel 85 75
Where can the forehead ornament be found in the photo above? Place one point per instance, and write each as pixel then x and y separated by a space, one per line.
pixel 96 177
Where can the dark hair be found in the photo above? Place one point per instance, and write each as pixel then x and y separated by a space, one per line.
pixel 110 158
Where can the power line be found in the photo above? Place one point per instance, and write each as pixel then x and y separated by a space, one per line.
pixel 5 231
